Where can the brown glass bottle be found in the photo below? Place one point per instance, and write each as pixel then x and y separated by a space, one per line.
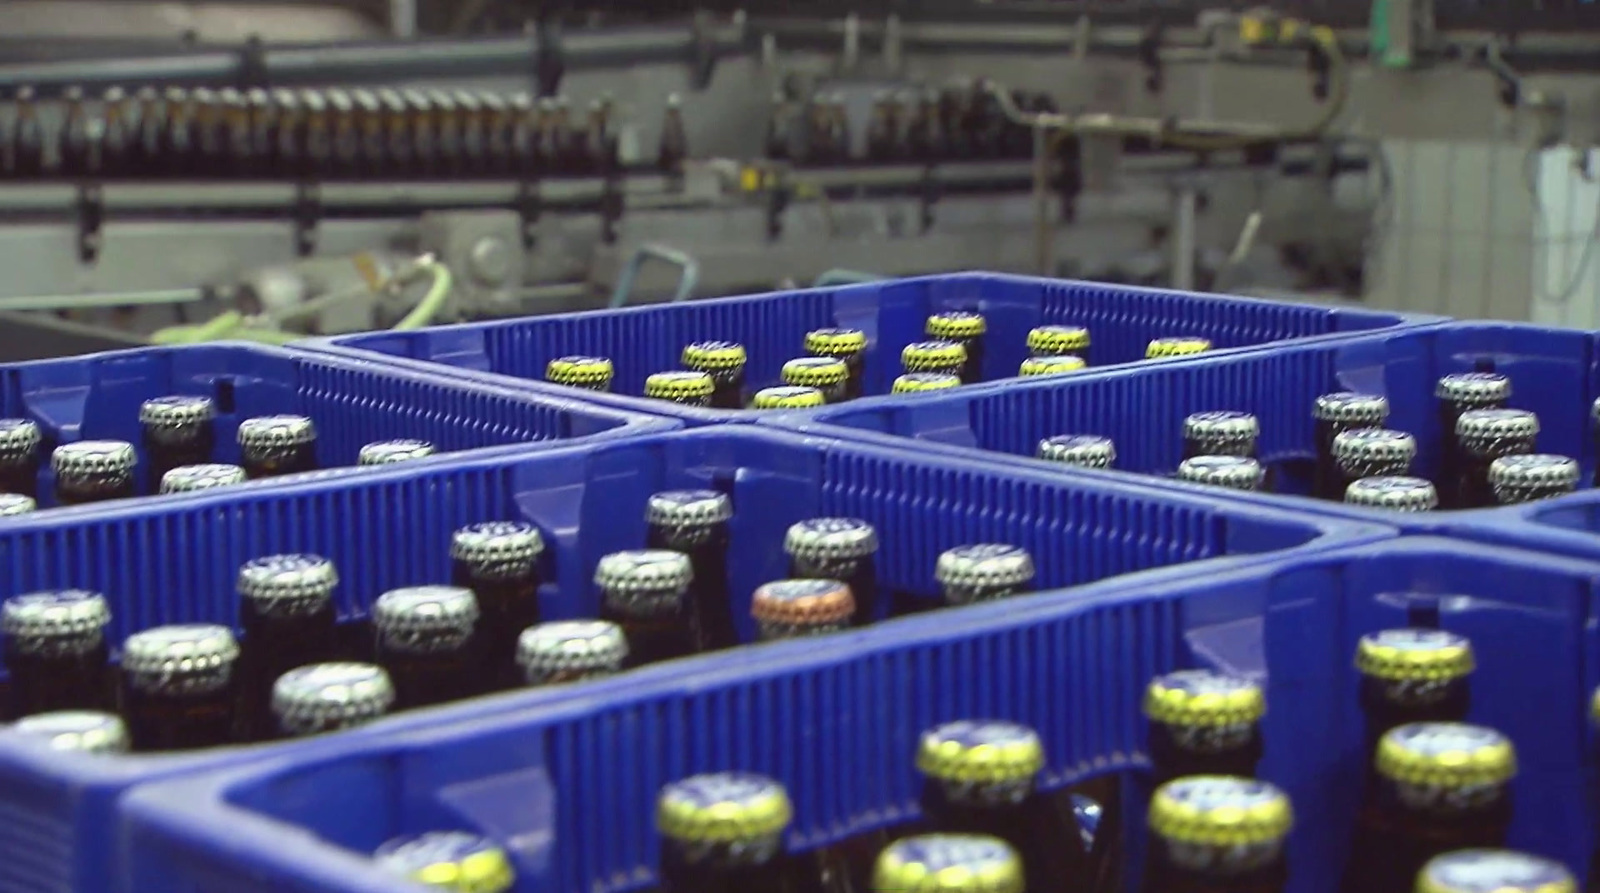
pixel 843 549
pixel 695 522
pixel 390 452
pixel 56 651
pixel 275 445
pixel 1203 723
pixel 827 374
pixel 1411 675
pixel 849 345
pixel 967 329
pixel 426 637
pixel 983 572
pixel 1335 414
pixel 179 687
pixel 935 356
pixel 287 612
pixel 77 146
pixel 725 362
pixel 1371 452
pixel 1393 493
pixel 1531 477
pixel 318 698
pixel 194 478
pixel 1059 341
pixel 1223 433
pixel 1494 871
pixel 1218 834
pixel 590 373
pixel 800 609
pixel 646 592
pixel 685 388
pixel 19 456
pixel 499 562
pixel 722 832
pixel 1232 472
pixel 93 471
pixel 77 731
pixel 178 430
pixel 1482 436
pixel 12 504
pixel 1456 394
pixel 962 863
pixel 453 860
pixel 564 651
pixel 27 136
pixel 1079 450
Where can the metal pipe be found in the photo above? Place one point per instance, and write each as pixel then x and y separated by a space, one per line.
pixel 103 299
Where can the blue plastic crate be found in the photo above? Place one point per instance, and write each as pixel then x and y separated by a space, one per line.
pixel 353 402
pixel 173 560
pixel 643 340
pixel 568 785
pixel 1566 526
pixel 1554 372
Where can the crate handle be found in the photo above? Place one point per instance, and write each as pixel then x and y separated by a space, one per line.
pixel 689 275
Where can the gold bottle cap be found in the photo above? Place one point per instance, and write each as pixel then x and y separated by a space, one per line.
pixel 803 602
pixel 1176 347
pixel 957 324
pixel 449 860
pixel 948 863
pixel 1494 871
pixel 788 397
pixel 1446 754
pixel 1055 340
pixel 1203 698
pixel 836 342
pixel 714 356
pixel 680 386
pixel 581 371
pixel 723 807
pixel 918 382
pixel 933 356
pixel 816 372
pixel 1052 365
pixel 981 751
pixel 1220 810
pixel 1408 654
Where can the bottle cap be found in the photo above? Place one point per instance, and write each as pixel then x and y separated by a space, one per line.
pixel 567 648
pixel 323 697
pixel 1494 871
pixel 1047 341
pixel 16 504
pixel 689 388
pixel 96 461
pixel 916 382
pixel 948 863
pixel 1524 478
pixel 1374 451
pixel 287 585
pixel 984 571
pixel 85 731
pixel 1351 408
pixel 1223 433
pixel 1234 472
pixel 803 603
pixel 276 432
pixel 1393 492
pixel 1203 698
pixel 388 452
pixel 787 397
pixel 644 581
pixel 1471 390
pixel 1446 755
pixel 448 860
pixel 721 359
pixel 498 549
pixel 821 540
pixel 19 440
pixel 1594 411
pixel 1220 811
pixel 417 619
pixel 816 372
pixel 723 807
pixel 176 419
pixel 64 621
pixel 981 752
pixel 1051 365
pixel 688 508
pixel 842 343
pixel 581 372
pixel 184 659
pixel 933 356
pixel 956 324
pixel 1176 347
pixel 1491 433
pixel 193 478
pixel 1083 450
pixel 1409 653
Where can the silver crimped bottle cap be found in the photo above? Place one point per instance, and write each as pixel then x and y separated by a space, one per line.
pixel 831 539
pixel 571 649
pixel 94 460
pixel 1393 492
pixel 641 581
pixel 1225 431
pixel 498 549
pixel 184 659
pixel 983 571
pixel 1474 389
pixel 83 731
pixel 192 478
pixel 323 697
pixel 1496 432
pixel 176 418
pixel 1234 472
pixel 276 432
pixel 279 585
pixel 1083 450
pixel 1374 451
pixel 417 619
pixel 62 621
pixel 1524 478
pixel 1594 411
pixel 19 440
pixel 1350 408
pixel 1494 871
pixel 388 452
pixel 688 508
pixel 16 504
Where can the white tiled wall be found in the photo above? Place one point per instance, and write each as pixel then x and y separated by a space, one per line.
pixel 1566 270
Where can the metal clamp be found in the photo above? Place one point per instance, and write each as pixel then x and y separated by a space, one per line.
pixel 687 278
pixel 529 205
pixel 252 64
pixel 307 212
pixel 91 212
pixel 549 58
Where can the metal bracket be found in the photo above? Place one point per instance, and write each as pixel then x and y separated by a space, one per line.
pixel 307 212
pixel 927 197
pixel 777 195
pixel 529 204
pixel 1150 58
pixel 688 276
pixel 611 208
pixel 549 57
pixel 253 64
pixel 702 50
pixel 91 212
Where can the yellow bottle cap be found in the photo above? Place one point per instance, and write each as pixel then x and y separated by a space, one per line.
pixel 787 398
pixel 915 382
pixel 1053 365
pixel 816 372
pixel 981 751
pixel 449 860
pixel 1494 871
pixel 933 356
pixel 1446 755
pixel 1413 654
pixel 1219 810
pixel 714 356
pixel 682 387
pixel 1594 707
pixel 723 807
pixel 579 371
pixel 836 342
pixel 948 863
pixel 1055 340
pixel 1203 698
pixel 957 324
pixel 1176 347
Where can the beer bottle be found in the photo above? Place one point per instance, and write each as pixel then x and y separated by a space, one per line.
pixel 205 133
pixel 263 121
pixel 177 430
pixel 423 133
pixel 1531 477
pixel 1035 366
pixel 426 639
pixel 316 143
pixel 673 147
pixel 981 777
pixel 193 478
pixel 695 522
pixel 966 329
pixel 373 157
pixel 499 562
pixel 80 731
pixel 949 863
pixel 1220 434
pixel 880 129
pixel 1396 494
pixel 396 151
pixel 1459 393
pixel 448 860
pixel 984 572
pixel 849 345
pixel 56 651
pixel 722 832
pixel 1412 675
pixel 320 698
pixel 1371 452
pixel 922 382
pixel 787 398
pixel 1163 348
pixel 1233 472
pixel 275 445
pixel 1335 414
pixel 1059 341
pixel 1594 418
pixel 287 613
pixel 499 125
pixel 1080 450
pixel 591 373
pixel 1482 436
pixel 473 147
pixel 827 374
pixel 797 609
pixel 1494 871
pixel 1204 723
pixel 93 471
pixel 239 158
pixel 289 134
pixel 76 138
pixel 27 136
pixel 1218 834
pixel 1440 787
pixel 179 686
pixel 12 504
pixel 177 145
pixel 935 356
pixel 116 142
pixel 844 549
pixel 19 456
pixel 388 452
pixel 724 361
pixel 146 146
pixel 565 651
pixel 682 388
pixel 646 592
